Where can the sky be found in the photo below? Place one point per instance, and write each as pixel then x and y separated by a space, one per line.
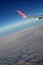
pixel 8 10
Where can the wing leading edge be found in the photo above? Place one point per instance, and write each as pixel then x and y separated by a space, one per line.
pixel 24 16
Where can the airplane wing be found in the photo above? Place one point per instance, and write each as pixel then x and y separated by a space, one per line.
pixel 24 16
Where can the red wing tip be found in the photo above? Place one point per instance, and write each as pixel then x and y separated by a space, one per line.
pixel 21 14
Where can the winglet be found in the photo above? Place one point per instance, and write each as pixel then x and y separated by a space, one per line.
pixel 21 14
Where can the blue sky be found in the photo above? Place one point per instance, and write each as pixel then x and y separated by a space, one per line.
pixel 9 15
